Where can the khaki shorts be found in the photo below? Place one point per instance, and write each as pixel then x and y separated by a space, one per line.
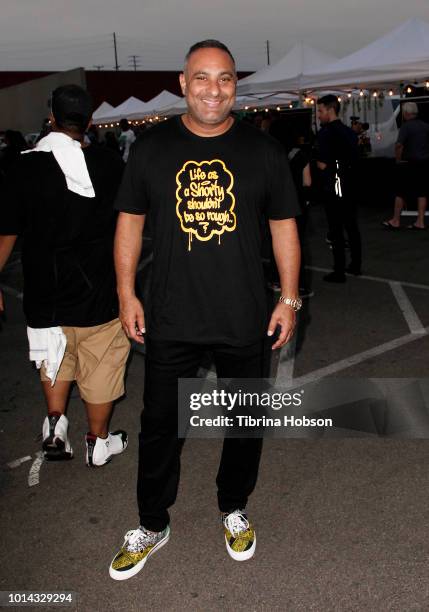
pixel 95 357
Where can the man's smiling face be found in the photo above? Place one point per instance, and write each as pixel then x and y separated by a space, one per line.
pixel 209 82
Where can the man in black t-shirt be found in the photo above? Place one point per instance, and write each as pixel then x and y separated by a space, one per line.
pixel 206 181
pixel 337 153
pixel 59 199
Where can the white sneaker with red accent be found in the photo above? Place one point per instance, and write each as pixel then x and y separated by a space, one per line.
pixel 56 445
pixel 100 451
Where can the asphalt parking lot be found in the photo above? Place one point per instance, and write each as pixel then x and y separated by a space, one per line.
pixel 342 523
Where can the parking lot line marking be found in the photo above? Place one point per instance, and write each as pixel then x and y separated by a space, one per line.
pixel 377 279
pixel 407 309
pixel 18 462
pixel 343 364
pixel 11 291
pixel 34 473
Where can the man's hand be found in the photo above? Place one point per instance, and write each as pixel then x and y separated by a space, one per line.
pixel 284 316
pixel 131 315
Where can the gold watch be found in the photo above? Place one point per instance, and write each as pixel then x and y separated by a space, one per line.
pixel 294 303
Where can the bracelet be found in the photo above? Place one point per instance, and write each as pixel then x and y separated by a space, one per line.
pixel 294 303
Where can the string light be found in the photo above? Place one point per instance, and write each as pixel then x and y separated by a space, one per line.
pixel 246 108
pixel 409 90
pixel 278 108
pixel 266 110
pixel 311 101
pixel 375 94
pixel 339 98
pixel 290 105
pixel 391 92
pixel 255 110
pixel 349 95
pixel 427 84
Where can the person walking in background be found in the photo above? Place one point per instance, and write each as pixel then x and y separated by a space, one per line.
pixel 337 153
pixel 412 157
pixel 126 139
pixel 59 198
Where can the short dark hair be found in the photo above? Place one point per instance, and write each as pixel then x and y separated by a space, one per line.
pixel 330 101
pixel 210 43
pixel 124 125
pixel 71 106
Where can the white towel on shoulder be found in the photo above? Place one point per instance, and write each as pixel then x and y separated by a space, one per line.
pixel 47 347
pixel 71 160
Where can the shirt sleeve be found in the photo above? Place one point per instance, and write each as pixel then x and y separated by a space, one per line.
pixel 132 194
pixel 13 202
pixel 403 134
pixel 282 200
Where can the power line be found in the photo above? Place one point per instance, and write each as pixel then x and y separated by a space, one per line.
pixel 134 60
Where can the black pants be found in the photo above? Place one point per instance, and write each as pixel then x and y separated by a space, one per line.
pixel 159 446
pixel 342 216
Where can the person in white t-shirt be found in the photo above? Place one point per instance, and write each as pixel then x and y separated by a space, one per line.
pixel 126 138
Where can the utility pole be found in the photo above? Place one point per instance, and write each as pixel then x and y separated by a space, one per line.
pixel 134 60
pixel 116 51
pixel 98 66
pixel 268 52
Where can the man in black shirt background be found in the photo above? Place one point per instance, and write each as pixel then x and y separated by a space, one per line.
pixel 337 154
pixel 206 180
pixel 59 199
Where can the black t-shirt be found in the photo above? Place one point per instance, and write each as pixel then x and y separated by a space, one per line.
pixel 67 252
pixel 206 197
pixel 414 136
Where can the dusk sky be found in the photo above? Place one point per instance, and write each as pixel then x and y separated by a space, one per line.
pixel 63 34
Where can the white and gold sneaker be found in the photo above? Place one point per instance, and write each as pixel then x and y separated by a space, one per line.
pixel 138 546
pixel 240 537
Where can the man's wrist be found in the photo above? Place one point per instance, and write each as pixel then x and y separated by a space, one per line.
pixel 293 302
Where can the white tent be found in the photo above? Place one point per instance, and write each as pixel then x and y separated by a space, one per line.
pixel 264 101
pixel 104 109
pixel 174 109
pixel 287 73
pixel 165 99
pixel 400 55
pixel 133 108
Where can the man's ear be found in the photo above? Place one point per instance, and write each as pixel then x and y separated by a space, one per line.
pixel 182 81
pixel 52 120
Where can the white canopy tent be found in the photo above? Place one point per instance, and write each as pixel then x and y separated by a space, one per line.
pixel 286 75
pixel 165 99
pixel 402 55
pixel 104 109
pixel 133 108
pixel 173 109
